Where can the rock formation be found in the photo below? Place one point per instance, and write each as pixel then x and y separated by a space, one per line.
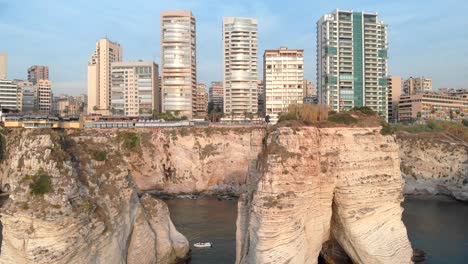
pixel 196 160
pixel 312 185
pixel 434 164
pixel 72 200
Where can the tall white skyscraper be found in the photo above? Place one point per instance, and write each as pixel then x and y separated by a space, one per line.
pixel 3 65
pixel 99 75
pixel 352 61
pixel 240 56
pixel 178 62
pixel 284 80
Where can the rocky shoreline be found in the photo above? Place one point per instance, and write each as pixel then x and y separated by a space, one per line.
pixel 434 164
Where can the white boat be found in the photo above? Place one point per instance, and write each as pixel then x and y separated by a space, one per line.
pixel 203 245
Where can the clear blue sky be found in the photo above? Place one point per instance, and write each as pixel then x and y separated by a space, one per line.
pixel 426 37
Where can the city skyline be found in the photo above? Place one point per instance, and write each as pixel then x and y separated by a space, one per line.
pixel 63 40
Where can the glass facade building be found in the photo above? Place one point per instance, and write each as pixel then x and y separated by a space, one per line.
pixel 352 61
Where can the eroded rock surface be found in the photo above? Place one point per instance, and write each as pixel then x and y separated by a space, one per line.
pixel 433 165
pixel 313 184
pixel 86 207
pixel 196 160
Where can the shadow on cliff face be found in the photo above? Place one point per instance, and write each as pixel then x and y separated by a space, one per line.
pixel 1 237
pixel 333 253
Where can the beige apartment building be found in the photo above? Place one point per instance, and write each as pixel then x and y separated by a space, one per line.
pixel 216 95
pixel 309 88
pixel 134 88
pixel 201 102
pixel 99 75
pixel 178 62
pixel 44 96
pixel 431 106
pixel 240 56
pixel 283 80
pixel 38 72
pixel 3 65
pixel 395 84
pixel 461 93
pixel 417 85
pixel 68 106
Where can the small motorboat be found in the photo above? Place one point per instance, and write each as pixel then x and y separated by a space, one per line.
pixel 203 245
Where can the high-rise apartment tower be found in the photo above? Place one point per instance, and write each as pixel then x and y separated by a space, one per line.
pixel 240 56
pixel 178 62
pixel 99 75
pixel 352 61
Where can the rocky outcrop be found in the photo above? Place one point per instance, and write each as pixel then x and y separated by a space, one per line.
pixel 313 185
pixel 196 160
pixel 434 164
pixel 72 200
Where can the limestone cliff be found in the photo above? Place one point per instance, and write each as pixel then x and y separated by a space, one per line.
pixel 434 164
pixel 72 200
pixel 195 160
pixel 312 185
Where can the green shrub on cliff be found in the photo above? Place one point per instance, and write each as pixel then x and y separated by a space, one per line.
pixel 365 110
pixel 100 155
pixel 435 126
pixel 130 140
pixel 387 129
pixel 342 118
pixel 41 183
